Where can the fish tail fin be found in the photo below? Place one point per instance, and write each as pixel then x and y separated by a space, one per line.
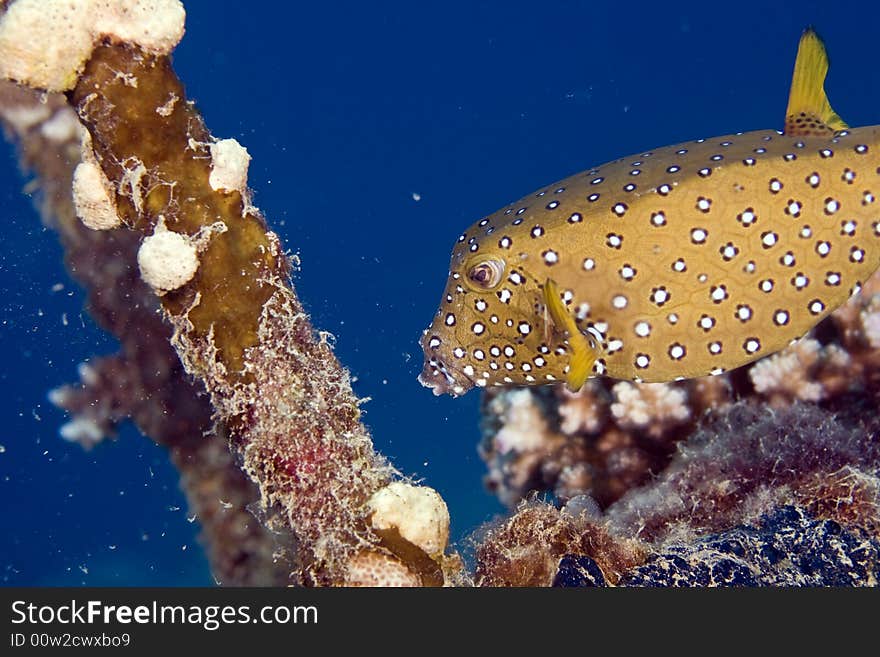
pixel 809 112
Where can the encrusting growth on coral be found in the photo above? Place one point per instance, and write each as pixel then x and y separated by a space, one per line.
pixel 160 167
pixel 145 380
pixel 759 497
pixel 784 547
pixel 238 324
pixel 526 550
pixel 749 461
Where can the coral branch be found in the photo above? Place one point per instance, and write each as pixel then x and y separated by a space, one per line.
pixel 238 325
pixel 145 381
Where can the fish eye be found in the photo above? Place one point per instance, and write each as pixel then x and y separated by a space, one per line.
pixel 486 274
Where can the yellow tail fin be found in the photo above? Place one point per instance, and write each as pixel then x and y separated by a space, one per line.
pixel 809 112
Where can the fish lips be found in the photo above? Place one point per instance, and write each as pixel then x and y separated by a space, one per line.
pixel 442 378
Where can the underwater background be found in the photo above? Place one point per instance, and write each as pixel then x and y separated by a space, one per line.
pixel 377 134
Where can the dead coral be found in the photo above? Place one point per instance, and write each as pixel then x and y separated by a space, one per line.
pixel 238 326
pixel 526 549
pixel 785 547
pixel 761 496
pixel 753 459
pixel 145 382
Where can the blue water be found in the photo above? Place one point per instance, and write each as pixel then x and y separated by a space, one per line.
pixel 377 133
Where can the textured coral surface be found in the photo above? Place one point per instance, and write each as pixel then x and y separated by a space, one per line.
pixel 786 547
pixel 757 497
pixel 145 380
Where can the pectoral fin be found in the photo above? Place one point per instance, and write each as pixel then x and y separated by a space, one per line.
pixel 809 112
pixel 582 354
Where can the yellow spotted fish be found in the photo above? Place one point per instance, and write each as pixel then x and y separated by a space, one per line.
pixel 674 263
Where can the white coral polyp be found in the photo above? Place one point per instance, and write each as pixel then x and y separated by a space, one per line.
pixel 167 260
pixel 92 197
pixel 45 43
pixel 871 324
pixel 639 405
pixel 418 513
pixel 788 372
pixel 229 166
pixel 525 428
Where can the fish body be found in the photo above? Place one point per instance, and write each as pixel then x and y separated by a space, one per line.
pixel 678 262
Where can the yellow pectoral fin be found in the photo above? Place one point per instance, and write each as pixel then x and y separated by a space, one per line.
pixel 809 112
pixel 581 363
pixel 582 354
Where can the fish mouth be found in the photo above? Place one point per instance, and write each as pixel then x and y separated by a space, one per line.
pixel 444 379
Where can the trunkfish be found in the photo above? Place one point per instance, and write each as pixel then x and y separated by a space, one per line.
pixel 677 262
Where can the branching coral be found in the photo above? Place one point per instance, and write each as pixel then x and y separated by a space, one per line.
pixel 600 441
pixel 145 381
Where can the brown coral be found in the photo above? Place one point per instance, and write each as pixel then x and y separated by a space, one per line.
pixel 238 325
pixel 145 381
pixel 525 550
pixel 730 479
